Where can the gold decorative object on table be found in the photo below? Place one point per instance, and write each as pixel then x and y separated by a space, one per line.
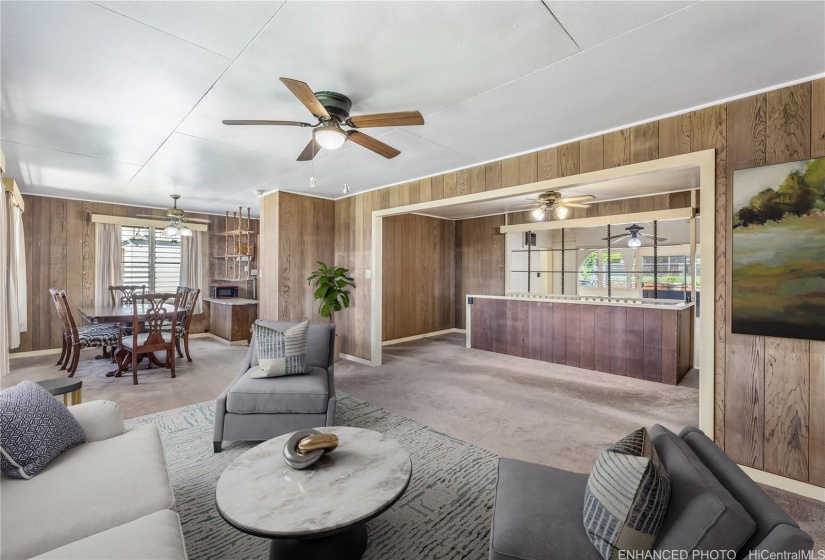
pixel 305 447
pixel 327 442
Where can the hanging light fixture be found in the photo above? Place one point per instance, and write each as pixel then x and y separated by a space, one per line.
pixel 330 136
pixel 171 230
pixel 185 231
pixel 561 212
pixel 634 241
pixel 539 213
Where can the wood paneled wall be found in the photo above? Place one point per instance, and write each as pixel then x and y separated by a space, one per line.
pixel 296 232
pixel 418 275
pixel 479 261
pixel 60 253
pixel 766 416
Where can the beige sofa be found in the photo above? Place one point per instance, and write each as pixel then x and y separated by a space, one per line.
pixel 109 498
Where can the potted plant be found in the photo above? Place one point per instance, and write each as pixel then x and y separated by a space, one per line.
pixel 331 283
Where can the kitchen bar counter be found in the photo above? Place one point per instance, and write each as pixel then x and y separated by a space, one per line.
pixel 231 318
pixel 646 339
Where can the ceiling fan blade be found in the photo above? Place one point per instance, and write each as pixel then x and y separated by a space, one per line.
pixel 371 143
pixel 304 94
pixel 278 123
pixel 580 198
pixel 651 236
pixel 621 235
pixel 575 205
pixel 197 220
pixel 616 238
pixel 310 151
pixel 401 118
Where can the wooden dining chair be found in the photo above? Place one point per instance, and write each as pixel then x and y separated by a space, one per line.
pixel 93 335
pixel 182 331
pixel 66 350
pixel 149 309
pixel 124 295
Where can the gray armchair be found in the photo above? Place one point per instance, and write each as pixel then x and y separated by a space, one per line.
pixel 260 409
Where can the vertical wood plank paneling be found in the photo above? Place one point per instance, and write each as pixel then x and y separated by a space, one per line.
pixel 618 340
pixel 789 123
pixel 509 172
pixel 571 335
pixel 635 343
pixel 617 148
pixel 644 142
pixel 787 391
pixel 517 327
pixel 669 341
pixel 653 344
pixel 527 168
pixel 547 162
pixel 559 340
pixel 479 261
pixel 548 323
pixel 602 338
pixel 709 130
pixel 747 131
pixel 450 188
pixel 818 118
pixel 438 187
pixel 591 154
pixel 568 158
pixel 587 336
pixel 492 176
pixel 535 342
pixel 816 445
pixel 674 136
pixel 418 275
pixel 461 183
pixel 745 405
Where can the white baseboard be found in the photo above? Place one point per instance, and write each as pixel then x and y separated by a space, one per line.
pixel 420 336
pixel 356 359
pixel 33 353
pixel 219 339
pixel 783 483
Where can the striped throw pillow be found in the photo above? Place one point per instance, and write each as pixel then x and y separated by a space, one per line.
pixel 626 497
pixel 281 353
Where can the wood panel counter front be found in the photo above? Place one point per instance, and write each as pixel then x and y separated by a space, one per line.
pixel 231 318
pixel 641 340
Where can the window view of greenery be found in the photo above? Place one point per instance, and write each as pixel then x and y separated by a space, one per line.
pixel 149 258
pixel 593 271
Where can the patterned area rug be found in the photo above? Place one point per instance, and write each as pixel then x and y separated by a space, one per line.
pixel 445 513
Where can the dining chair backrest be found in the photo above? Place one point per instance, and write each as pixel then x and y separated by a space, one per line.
pixel 124 295
pixel 58 304
pixel 71 326
pixel 152 308
pixel 189 306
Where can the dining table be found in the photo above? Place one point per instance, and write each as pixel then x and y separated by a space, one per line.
pixel 124 313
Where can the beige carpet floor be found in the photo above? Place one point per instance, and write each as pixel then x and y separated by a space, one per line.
pixel 547 413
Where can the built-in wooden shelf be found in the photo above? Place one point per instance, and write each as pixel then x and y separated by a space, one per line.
pixel 234 232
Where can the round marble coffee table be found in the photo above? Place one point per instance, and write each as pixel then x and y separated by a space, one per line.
pixel 320 512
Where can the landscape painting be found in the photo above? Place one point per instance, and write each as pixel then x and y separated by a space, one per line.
pixel 778 259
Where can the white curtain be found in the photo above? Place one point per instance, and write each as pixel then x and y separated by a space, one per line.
pixel 108 265
pixel 192 253
pixel 5 244
pixel 18 266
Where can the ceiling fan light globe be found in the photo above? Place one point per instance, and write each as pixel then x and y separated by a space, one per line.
pixel 171 231
pixel 561 212
pixel 330 137
pixel 634 242
pixel 538 213
pixel 185 231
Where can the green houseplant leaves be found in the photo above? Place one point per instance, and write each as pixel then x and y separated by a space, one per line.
pixel 331 283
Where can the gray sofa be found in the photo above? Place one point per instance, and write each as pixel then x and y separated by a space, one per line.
pixel 713 505
pixel 260 409
pixel 109 498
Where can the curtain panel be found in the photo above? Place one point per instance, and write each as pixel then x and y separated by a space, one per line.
pixel 108 261
pixel 192 255
pixel 5 339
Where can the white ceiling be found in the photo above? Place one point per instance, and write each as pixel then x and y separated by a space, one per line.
pixel 632 186
pixel 122 101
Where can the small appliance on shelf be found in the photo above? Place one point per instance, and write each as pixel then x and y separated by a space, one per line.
pixel 218 292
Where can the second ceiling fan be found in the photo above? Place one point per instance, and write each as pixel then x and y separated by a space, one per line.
pixel 332 111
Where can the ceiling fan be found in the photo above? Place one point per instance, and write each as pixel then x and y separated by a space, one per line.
pixel 635 236
pixel 177 218
pixel 332 111
pixel 552 201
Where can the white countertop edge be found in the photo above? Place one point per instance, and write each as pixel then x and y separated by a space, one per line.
pixel 231 301
pixel 550 299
